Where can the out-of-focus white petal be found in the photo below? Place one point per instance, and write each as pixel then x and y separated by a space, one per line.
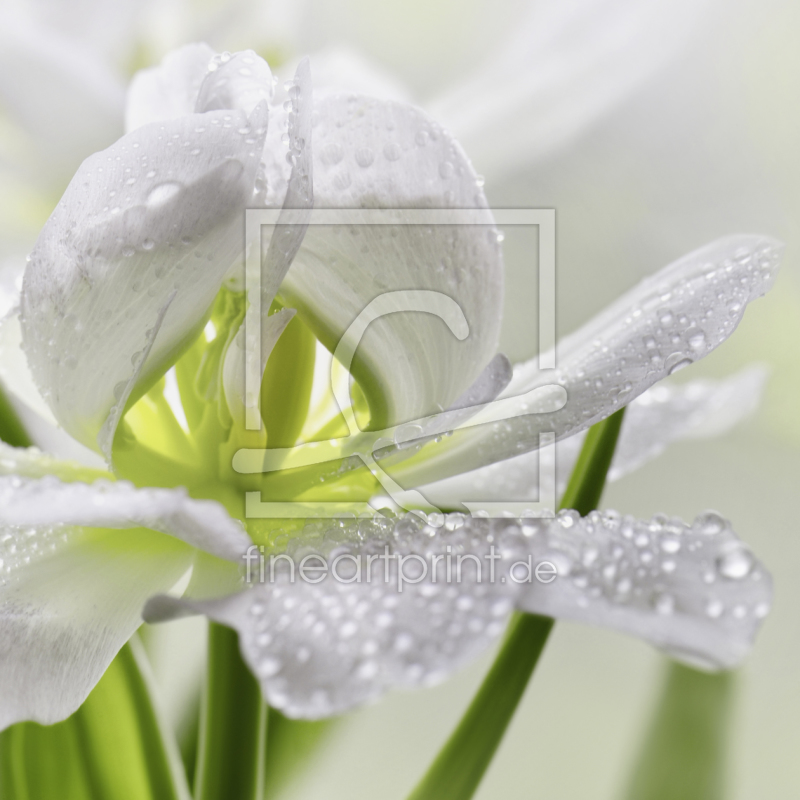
pixel 105 504
pixel 339 69
pixel 168 91
pixel 70 597
pixel 323 642
pixel 46 77
pixel 565 66
pixel 662 415
pixel 370 154
pixel 131 260
pixel 665 323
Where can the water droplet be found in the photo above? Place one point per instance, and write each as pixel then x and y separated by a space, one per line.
pixel 697 340
pixel 446 169
pixel 715 608
pixel 407 433
pixel 163 193
pixel 710 523
pixel 392 151
pixel 735 565
pixel 664 604
pixel 676 362
pixel 364 157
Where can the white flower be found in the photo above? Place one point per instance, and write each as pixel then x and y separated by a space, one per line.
pixel 120 286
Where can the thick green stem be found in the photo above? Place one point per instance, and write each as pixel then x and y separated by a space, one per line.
pixel 462 762
pixel 114 747
pixel 233 725
pixel 684 754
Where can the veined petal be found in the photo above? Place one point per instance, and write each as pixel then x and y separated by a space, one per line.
pixel 662 415
pixel 370 154
pixel 564 66
pixel 321 642
pixel 669 320
pixel 131 260
pixel 168 91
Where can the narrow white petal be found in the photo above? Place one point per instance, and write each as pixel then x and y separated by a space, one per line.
pixel 48 501
pixel 168 91
pixel 669 320
pixel 371 154
pixel 662 415
pixel 155 220
pixel 695 591
pixel 70 597
pixel 563 67
pixel 323 642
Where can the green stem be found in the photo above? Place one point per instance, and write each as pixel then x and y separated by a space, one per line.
pixel 462 762
pixel 233 725
pixel 12 431
pixel 684 753
pixel 114 747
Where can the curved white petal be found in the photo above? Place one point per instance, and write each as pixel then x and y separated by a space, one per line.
pixel 371 154
pixel 665 323
pixel 204 524
pixel 168 91
pixel 238 81
pixel 70 597
pixel 131 260
pixel 564 66
pixel 323 644
pixel 662 415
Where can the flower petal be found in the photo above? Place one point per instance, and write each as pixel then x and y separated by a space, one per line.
pixel 662 415
pixel 154 221
pixel 668 321
pixel 372 154
pixel 564 66
pixel 168 91
pixel 238 81
pixel 323 642
pixel 105 504
pixel 70 597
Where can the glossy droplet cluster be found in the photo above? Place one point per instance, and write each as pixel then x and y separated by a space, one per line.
pixel 323 645
pixel 660 416
pixel 671 319
pixel 22 545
